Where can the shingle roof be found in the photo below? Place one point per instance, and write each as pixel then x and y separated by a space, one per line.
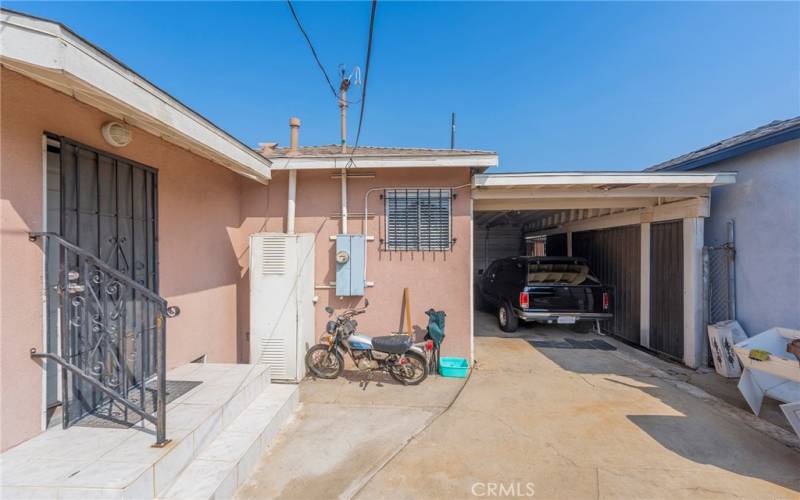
pixel 772 133
pixel 335 151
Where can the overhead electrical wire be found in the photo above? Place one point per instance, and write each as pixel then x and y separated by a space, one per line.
pixel 313 50
pixel 363 99
pixel 366 79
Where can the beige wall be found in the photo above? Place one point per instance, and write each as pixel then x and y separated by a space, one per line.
pixel 199 232
pixel 435 279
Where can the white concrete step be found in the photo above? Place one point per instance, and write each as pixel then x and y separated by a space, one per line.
pixel 225 464
pixel 82 462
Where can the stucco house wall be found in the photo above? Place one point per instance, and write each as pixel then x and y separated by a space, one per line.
pixel 436 279
pixel 765 207
pixel 199 221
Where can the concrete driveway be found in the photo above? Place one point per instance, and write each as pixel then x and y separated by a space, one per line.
pixel 544 419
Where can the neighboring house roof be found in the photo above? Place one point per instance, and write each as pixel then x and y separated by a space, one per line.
pixel 770 134
pixel 331 156
pixel 54 55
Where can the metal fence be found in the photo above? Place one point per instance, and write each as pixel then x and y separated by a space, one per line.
pixel 719 280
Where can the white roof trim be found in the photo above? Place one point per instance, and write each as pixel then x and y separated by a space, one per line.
pixel 581 180
pixel 55 56
pixel 387 161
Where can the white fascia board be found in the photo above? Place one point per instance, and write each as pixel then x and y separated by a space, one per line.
pixel 49 52
pixel 375 162
pixel 602 178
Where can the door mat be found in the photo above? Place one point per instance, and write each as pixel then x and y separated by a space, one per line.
pixel 595 344
pixel 112 414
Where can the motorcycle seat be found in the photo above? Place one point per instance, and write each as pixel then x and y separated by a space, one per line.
pixel 392 344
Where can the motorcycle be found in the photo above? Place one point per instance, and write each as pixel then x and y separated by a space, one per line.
pixel 397 355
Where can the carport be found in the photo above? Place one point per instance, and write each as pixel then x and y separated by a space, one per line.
pixel 642 232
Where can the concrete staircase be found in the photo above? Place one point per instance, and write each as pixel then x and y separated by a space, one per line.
pixel 224 465
pixel 217 431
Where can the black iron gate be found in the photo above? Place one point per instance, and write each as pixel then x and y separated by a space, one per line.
pixel 109 208
pixel 666 288
pixel 614 255
pixel 109 328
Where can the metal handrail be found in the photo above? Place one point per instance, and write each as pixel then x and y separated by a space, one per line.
pixel 112 337
pixel 102 265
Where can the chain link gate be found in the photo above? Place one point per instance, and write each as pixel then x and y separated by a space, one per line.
pixel 719 282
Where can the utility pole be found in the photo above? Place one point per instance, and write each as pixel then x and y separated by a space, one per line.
pixel 453 130
pixel 343 109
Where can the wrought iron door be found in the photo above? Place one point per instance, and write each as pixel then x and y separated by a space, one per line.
pixel 108 207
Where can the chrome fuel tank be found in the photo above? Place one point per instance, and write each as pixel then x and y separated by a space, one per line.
pixel 359 341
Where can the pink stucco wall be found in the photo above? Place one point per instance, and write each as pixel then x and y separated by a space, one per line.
pixel 435 279
pixel 199 231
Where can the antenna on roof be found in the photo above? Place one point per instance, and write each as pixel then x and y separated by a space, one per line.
pixel 453 130
pixel 344 84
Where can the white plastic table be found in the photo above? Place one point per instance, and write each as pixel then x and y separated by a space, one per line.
pixel 778 377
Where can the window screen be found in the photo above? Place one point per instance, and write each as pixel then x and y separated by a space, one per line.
pixel 418 219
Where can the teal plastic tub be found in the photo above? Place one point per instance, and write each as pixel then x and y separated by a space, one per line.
pixel 453 367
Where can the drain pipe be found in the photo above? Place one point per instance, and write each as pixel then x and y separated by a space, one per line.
pixel 366 210
pixel 344 201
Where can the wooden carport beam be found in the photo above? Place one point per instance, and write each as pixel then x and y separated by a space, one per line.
pixel 494 204
pixel 697 207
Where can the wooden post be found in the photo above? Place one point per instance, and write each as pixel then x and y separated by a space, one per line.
pixel 407 304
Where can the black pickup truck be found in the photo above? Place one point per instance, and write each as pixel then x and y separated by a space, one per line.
pixel 558 290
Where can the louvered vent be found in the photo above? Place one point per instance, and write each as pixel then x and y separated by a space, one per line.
pixel 273 354
pixel 273 255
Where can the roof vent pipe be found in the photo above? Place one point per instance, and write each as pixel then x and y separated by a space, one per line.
pixel 294 127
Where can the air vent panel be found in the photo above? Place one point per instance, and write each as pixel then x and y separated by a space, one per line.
pixel 273 354
pixel 273 255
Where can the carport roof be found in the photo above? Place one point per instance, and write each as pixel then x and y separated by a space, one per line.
pixel 593 194
pixel 602 181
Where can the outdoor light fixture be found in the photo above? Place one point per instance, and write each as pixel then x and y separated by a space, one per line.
pixel 117 134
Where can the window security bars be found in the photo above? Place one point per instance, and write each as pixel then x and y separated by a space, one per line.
pixel 418 219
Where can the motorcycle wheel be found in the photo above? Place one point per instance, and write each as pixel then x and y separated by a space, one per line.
pixel 323 362
pixel 413 372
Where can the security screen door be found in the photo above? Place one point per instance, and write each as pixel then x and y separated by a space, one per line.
pixel 106 205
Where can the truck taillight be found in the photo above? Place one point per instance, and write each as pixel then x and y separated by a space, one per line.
pixel 523 300
pixel 605 301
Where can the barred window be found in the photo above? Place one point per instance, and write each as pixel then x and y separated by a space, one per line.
pixel 418 219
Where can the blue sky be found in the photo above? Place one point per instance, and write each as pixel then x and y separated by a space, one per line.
pixel 549 86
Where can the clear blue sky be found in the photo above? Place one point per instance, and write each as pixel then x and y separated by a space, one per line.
pixel 549 86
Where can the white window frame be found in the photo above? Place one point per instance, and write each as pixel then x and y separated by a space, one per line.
pixel 421 246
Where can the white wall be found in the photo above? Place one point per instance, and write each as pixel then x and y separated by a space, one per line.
pixel 765 206
pixel 495 243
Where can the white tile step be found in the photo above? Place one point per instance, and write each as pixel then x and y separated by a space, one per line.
pixel 228 460
pixel 82 462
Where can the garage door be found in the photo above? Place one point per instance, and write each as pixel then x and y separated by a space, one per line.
pixel 666 288
pixel 614 256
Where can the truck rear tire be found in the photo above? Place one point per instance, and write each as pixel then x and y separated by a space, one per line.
pixel 506 318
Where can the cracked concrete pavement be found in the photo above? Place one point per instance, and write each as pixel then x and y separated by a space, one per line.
pixel 558 423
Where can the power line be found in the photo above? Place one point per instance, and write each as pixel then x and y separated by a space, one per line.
pixel 313 51
pixel 366 78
